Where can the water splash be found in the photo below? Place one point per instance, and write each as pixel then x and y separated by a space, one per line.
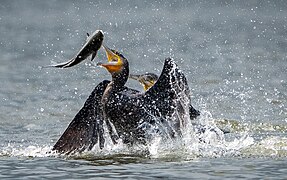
pixel 192 145
pixel 272 146
pixel 202 137
pixel 12 150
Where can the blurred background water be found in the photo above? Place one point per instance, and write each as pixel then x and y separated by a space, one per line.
pixel 234 54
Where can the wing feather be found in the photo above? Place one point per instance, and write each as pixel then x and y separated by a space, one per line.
pixel 169 97
pixel 86 128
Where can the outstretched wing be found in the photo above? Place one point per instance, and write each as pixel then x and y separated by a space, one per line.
pixel 169 97
pixel 86 129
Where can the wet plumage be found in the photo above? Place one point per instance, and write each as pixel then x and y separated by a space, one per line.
pixel 148 79
pixel 125 113
pixel 163 106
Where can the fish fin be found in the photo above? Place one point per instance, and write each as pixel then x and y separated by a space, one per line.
pixel 88 34
pixel 93 55
pixel 61 65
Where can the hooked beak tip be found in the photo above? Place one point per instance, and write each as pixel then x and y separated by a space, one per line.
pixel 99 64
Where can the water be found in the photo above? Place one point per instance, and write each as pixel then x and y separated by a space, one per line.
pixel 233 54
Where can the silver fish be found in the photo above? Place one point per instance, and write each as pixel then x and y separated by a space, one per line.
pixel 91 47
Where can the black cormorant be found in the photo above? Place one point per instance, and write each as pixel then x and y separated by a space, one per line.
pixel 163 107
pixel 147 80
pixel 127 114
pixel 87 127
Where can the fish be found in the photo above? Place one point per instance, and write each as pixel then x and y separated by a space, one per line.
pixel 90 48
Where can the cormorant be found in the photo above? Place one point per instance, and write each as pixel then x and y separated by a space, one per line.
pixel 148 79
pixel 163 107
pixel 127 114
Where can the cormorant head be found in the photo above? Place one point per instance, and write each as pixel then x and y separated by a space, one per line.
pixel 117 64
pixel 147 80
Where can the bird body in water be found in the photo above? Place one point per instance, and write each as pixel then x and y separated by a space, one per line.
pixel 120 108
pixel 132 114
pixel 128 114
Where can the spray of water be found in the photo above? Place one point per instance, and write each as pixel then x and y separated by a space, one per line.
pixel 202 137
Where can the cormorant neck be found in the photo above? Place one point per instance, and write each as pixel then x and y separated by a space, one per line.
pixel 120 79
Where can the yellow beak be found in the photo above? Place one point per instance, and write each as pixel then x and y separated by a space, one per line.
pixel 111 55
pixel 114 61
pixel 147 84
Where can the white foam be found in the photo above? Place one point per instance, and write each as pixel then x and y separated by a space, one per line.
pixel 27 151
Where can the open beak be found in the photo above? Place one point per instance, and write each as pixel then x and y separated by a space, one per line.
pixel 111 56
pixel 114 61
